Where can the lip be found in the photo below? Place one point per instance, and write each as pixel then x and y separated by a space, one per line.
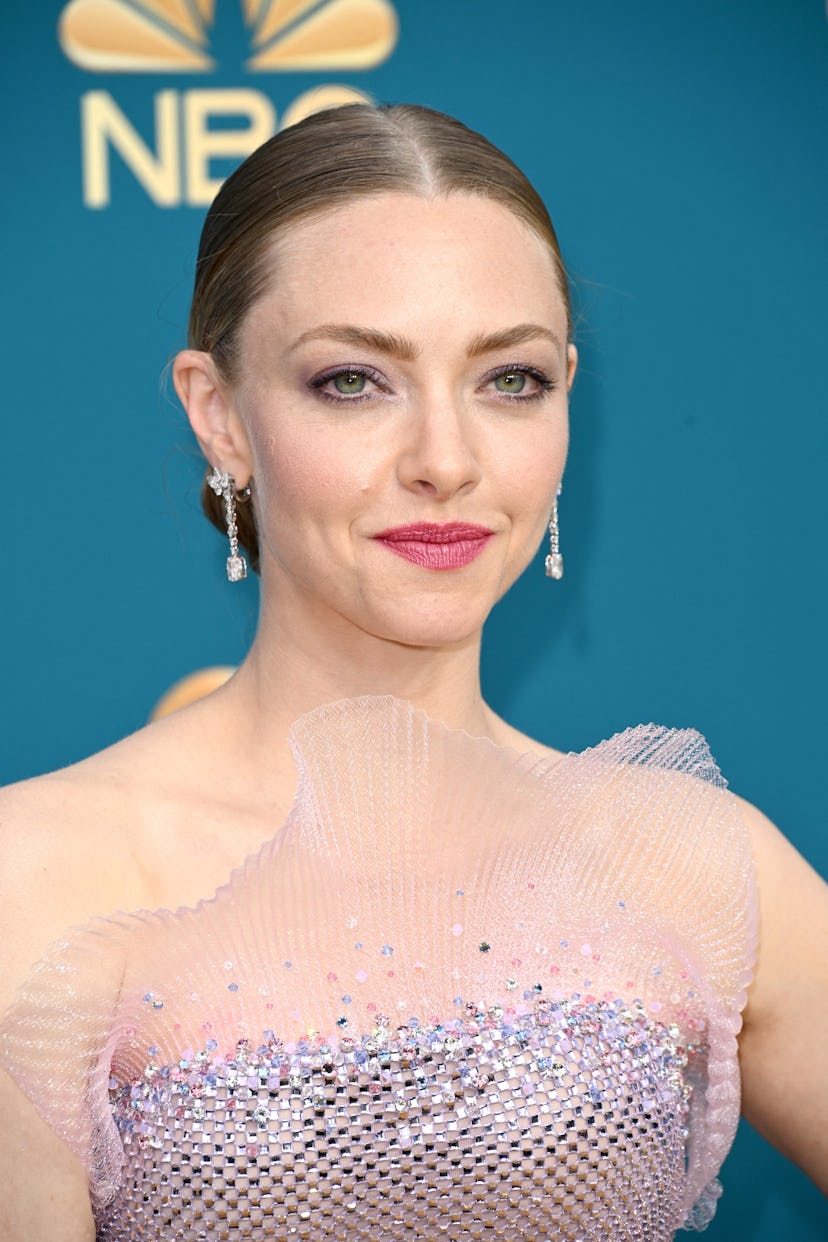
pixel 436 545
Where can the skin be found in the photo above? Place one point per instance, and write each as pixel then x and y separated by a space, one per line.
pixel 433 435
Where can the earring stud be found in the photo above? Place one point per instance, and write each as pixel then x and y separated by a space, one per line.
pixel 224 485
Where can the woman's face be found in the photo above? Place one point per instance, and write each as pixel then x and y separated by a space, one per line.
pixel 404 396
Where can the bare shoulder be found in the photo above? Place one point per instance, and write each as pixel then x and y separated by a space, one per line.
pixel 75 843
pixel 65 854
pixel 152 821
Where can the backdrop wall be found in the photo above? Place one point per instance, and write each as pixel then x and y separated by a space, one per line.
pixel 682 151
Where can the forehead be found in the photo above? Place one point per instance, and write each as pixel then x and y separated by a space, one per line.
pixel 401 258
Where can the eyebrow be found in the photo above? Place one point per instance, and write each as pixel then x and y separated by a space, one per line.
pixel 407 351
pixel 370 338
pixel 489 342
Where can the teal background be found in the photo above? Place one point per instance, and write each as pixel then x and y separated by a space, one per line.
pixel 682 151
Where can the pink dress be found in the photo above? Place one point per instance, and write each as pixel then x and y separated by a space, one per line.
pixel 461 992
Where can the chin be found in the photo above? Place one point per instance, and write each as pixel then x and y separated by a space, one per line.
pixel 435 627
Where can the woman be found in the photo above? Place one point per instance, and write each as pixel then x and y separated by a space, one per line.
pixel 470 986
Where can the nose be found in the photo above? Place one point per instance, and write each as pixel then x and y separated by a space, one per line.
pixel 439 457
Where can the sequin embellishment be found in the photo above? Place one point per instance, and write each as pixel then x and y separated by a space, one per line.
pixel 565 1121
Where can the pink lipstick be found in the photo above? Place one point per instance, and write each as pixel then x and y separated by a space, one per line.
pixel 436 545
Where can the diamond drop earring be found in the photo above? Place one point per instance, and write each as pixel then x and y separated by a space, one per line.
pixel 554 560
pixel 224 485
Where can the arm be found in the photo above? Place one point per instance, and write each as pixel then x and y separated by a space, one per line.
pixel 45 1196
pixel 44 1186
pixel 783 1046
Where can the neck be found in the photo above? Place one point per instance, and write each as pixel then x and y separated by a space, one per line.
pixel 293 668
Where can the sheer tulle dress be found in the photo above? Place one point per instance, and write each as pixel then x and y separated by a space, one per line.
pixel 461 992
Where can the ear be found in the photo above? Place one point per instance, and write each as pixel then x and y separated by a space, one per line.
pixel 212 414
pixel 571 366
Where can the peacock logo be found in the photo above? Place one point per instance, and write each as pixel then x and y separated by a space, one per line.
pixel 174 36
pixel 198 131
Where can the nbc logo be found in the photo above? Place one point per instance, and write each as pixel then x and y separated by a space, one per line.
pixel 178 36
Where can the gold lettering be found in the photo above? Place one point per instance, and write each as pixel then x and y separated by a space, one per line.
pixel 103 124
pixel 203 144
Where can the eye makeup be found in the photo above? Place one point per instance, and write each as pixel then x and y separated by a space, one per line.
pixel 351 374
pixel 522 372
pixel 348 384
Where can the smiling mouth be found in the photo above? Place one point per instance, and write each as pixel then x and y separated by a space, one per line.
pixel 436 545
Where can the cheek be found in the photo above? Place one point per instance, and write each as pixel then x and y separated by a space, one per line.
pixel 535 474
pixel 535 479
pixel 305 477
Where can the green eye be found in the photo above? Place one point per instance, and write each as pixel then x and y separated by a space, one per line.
pixel 349 383
pixel 511 382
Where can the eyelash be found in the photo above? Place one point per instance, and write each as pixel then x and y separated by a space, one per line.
pixel 545 384
pixel 319 381
pixel 317 384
